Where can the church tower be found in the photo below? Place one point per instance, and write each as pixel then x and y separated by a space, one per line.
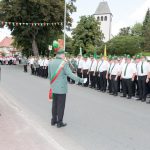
pixel 104 15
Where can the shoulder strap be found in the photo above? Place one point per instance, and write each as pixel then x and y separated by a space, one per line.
pixel 57 72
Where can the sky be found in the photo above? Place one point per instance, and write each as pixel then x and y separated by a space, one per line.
pixel 125 13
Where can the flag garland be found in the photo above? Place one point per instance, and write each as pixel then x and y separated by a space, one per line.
pixel 32 24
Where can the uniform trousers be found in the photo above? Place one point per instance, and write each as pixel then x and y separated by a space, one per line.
pixel 25 68
pixel 114 85
pixel 135 87
pixel 79 73
pixel 119 84
pixel 86 75
pixel 92 78
pixel 103 81
pixel 45 71
pixel 97 80
pixel 127 87
pixel 142 87
pixel 109 84
pixel 58 107
pixel 148 87
pixel 32 69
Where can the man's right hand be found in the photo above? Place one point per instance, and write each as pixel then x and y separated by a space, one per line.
pixel 85 80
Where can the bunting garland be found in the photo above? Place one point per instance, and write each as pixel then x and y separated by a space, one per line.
pixel 32 24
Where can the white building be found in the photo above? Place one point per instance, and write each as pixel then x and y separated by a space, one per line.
pixel 104 15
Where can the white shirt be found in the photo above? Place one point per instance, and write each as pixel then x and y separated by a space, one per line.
pixel 86 65
pixel 80 63
pixel 31 61
pixel 146 68
pixel 130 70
pixel 39 61
pixel 103 66
pixel 46 62
pixel 116 69
pixel 42 62
pixel 93 65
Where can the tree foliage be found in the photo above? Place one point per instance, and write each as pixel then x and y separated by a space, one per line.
pixel 146 31
pixel 125 31
pixel 136 30
pixel 87 34
pixel 120 45
pixel 35 38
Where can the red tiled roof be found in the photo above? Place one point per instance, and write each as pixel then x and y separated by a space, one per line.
pixel 6 42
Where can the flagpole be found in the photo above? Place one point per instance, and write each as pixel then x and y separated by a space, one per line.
pixel 65 14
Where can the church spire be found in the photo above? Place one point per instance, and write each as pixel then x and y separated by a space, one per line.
pixel 103 8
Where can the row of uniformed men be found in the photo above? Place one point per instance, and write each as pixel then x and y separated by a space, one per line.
pixel 132 76
pixel 8 60
pixel 38 65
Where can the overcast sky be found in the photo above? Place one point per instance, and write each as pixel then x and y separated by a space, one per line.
pixel 125 12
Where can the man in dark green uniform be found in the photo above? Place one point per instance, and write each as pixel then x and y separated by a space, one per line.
pixel 59 86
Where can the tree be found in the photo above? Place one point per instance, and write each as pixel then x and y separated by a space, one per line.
pixel 120 45
pixel 35 36
pixel 87 34
pixel 125 31
pixel 146 31
pixel 136 30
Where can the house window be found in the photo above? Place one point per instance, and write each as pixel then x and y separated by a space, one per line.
pixel 101 18
pixel 98 18
pixel 105 18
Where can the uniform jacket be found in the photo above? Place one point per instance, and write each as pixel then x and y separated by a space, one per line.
pixel 59 86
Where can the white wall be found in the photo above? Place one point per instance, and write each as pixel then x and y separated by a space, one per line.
pixel 105 25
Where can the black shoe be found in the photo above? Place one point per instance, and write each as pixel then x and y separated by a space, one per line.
pixel 147 102
pixel 53 122
pixel 59 125
pixel 129 97
pixel 111 94
pixel 143 100
pixel 115 94
pixel 138 99
pixel 122 96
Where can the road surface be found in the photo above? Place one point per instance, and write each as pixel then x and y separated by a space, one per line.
pixel 96 121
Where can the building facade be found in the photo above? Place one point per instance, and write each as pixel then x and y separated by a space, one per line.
pixel 104 16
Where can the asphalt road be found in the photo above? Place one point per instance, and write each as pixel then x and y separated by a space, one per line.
pixel 96 121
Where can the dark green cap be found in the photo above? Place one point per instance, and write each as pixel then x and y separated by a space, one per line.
pixel 128 56
pixel 85 56
pixel 138 56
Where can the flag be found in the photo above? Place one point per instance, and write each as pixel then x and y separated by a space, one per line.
pixel 105 52
pixel 80 51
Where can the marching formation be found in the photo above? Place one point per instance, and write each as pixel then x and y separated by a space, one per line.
pixel 9 60
pixel 126 75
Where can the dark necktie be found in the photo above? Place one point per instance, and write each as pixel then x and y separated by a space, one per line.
pixel 125 70
pixel 100 65
pixel 113 68
pixel 97 66
pixel 142 67
pixel 109 68
pixel 91 65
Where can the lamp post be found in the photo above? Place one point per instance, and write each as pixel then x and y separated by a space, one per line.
pixel 65 14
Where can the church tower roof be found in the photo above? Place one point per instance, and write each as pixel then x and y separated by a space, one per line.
pixel 103 8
